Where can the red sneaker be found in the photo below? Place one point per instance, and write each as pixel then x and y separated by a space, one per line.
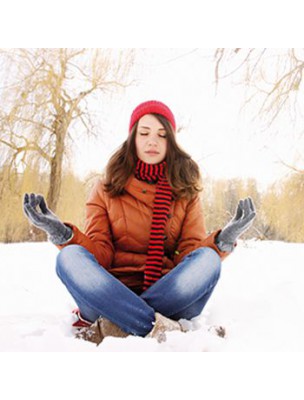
pixel 81 322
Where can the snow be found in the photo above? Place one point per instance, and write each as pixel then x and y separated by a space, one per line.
pixel 258 300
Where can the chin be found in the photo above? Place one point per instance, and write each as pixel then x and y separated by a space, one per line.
pixel 150 160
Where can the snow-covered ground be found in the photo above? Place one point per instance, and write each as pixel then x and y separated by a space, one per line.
pixel 259 300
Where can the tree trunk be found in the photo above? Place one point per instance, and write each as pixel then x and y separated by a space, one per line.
pixel 56 164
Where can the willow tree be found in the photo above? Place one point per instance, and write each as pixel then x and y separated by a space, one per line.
pixel 45 98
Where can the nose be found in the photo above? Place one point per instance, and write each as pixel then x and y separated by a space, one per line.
pixel 152 141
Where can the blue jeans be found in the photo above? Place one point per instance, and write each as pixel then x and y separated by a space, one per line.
pixel 182 293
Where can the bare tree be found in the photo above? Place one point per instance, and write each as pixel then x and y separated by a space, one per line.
pixel 45 96
pixel 274 82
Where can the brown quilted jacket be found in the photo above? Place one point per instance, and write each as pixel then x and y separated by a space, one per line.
pixel 117 230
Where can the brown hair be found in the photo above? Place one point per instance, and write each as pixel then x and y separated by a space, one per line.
pixel 183 172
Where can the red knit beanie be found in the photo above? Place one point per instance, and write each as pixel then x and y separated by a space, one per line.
pixel 149 107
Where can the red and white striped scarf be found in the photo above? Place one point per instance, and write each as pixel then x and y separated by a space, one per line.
pixel 156 173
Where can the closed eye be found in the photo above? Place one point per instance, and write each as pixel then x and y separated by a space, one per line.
pixel 162 135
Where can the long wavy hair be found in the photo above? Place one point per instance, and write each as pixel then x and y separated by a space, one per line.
pixel 182 172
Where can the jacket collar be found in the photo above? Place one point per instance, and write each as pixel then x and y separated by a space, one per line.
pixel 141 190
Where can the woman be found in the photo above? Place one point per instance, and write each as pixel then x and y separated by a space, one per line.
pixel 145 260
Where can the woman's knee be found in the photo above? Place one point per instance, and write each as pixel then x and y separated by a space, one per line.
pixel 66 259
pixel 205 263
pixel 198 271
pixel 77 266
pixel 207 256
pixel 214 259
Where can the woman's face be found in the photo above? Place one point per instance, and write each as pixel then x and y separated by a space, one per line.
pixel 150 140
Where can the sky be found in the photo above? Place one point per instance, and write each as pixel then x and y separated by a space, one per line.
pixel 219 136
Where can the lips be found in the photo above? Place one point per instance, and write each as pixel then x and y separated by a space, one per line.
pixel 152 152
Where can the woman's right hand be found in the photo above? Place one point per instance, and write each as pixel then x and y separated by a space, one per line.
pixel 45 219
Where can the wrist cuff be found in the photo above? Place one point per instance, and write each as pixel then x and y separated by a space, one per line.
pixel 62 240
pixel 223 246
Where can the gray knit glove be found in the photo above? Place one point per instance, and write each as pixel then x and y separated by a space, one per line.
pixel 58 232
pixel 243 219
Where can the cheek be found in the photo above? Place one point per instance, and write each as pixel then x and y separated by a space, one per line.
pixel 165 146
pixel 137 145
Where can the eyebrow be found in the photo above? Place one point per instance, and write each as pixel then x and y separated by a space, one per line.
pixel 147 127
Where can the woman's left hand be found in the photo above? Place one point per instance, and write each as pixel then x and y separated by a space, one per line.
pixel 243 219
